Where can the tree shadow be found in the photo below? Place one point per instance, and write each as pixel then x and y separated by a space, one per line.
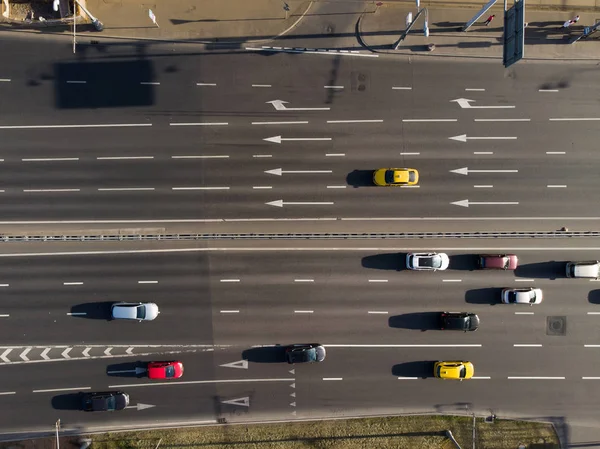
pixel 422 369
pixel 542 270
pixel 92 310
pixel 267 354
pixel 463 262
pixel 488 295
pixel 388 261
pixel 69 401
pixel 423 321
pixel 594 296
pixel 360 178
pixel 127 369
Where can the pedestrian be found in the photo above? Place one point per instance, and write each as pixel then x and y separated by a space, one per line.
pixel 489 19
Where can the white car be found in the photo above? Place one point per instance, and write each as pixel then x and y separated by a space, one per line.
pixel 529 296
pixel 427 261
pixel 140 311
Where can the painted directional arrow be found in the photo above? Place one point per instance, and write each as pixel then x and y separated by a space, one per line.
pixel 281 203
pixel 467 203
pixel 243 402
pixel 5 354
pixel 280 171
pixel 242 364
pixel 45 354
pixel 464 138
pixel 279 139
pixel 466 171
pixel 464 103
pixel 140 406
pixel 280 105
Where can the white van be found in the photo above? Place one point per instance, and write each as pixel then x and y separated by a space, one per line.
pixel 589 269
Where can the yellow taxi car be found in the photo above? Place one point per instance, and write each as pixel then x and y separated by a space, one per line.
pixel 457 370
pixel 395 177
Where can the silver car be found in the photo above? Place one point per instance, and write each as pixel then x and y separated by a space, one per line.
pixel 140 311
pixel 529 296
pixel 427 261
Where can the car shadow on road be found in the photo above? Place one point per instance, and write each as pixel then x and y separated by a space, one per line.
pixel 422 369
pixel 463 262
pixel 267 354
pixel 488 295
pixel 594 296
pixel 542 270
pixel 360 178
pixel 423 321
pixel 92 310
pixel 69 401
pixel 127 369
pixel 387 261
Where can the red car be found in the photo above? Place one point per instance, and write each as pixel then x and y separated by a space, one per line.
pixel 165 370
pixel 498 262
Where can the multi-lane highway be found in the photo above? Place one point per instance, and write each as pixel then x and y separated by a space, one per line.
pixel 219 307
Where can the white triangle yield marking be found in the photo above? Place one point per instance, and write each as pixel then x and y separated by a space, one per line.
pixel 65 353
pixel 293 404
pixel 4 354
pixel 294 413
pixel 86 352
pixel 129 351
pixel 23 355
pixel 293 395
pixel 293 385
pixel 244 402
pixel 242 364
pixel 45 353
pixel 292 371
pixel 107 351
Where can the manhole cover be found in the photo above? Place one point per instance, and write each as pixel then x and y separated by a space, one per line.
pixel 556 325
pixel 360 82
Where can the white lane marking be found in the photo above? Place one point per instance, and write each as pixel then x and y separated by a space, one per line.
pixel 591 346
pixel 150 83
pixel 524 280
pixel 377 312
pixel 23 355
pixel 50 190
pixel 200 124
pixel 401 88
pixel 304 280
pixel 4 80
pixel 129 351
pixel 474 90
pixel 216 156
pixel 107 351
pixel 72 283
pixel 5 315
pixel 49 159
pixel 230 311
pixel 556 152
pixel 410 187
pixel 125 189
pixel 593 313
pixel 303 311
pixel 483 152
pixel 229 280
pixel 524 313
pixel 378 280
pixel 4 393
pixel 481 377
pixel 409 154
pixel 261 85
pixel 312 51
pixel 580 119
pixel 45 352
pixel 199 188
pixel 557 186
pixel 484 186
pixel 502 119
pixel 281 123
pixel 428 120
pixel 115 125
pixel 536 377
pixel 262 155
pixel 451 280
pixel 405 346
pixel 5 354
pixel 354 121
pixel 86 351
pixel 52 390
pixel 336 187
pixel 65 353
pixel 76 82
pixel 516 345
pixel 280 171
pixel 206 84
pixel 335 154
pixel 262 187
pixel 4 285
pixel 76 313
pixel 199 382
pixel 547 90
pixel 109 158
pixel 333 378
pixel 147 282
pixel 590 378
pixel 408 378
pixel 333 87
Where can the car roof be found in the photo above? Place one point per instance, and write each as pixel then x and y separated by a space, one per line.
pixel 125 310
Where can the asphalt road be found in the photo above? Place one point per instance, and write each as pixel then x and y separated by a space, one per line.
pixel 198 151
pixel 374 317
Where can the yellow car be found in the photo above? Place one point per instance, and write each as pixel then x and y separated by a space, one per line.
pixel 395 177
pixel 457 370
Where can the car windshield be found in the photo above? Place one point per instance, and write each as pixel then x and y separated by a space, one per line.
pixel 170 371
pixel 463 372
pixel 431 261
pixel 305 355
pixel 512 296
pixel 111 403
pixel 140 312
pixel 389 176
pixel 506 261
pixel 411 176
pixel 531 296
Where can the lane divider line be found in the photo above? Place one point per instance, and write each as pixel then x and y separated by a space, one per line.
pixel 51 390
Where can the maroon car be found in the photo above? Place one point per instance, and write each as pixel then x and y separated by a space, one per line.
pixel 498 261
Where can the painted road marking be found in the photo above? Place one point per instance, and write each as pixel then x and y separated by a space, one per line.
pixel 262 155
pixel 401 88
pixel 483 152
pixel 199 382
pixel 304 280
pixel 200 124
pixel 547 90
pixel 502 119
pixel 76 313
pixel 451 280
pixel 281 123
pixel 150 83
pixel 216 156
pixel 333 87
pixel 557 186
pixel 484 186
pixel 112 125
pixel 49 159
pixel 243 402
pixel 76 82
pixel 230 311
pixel 49 190
pixel 429 120
pixel 556 152
pixel 378 280
pixel 377 312
pixel 241 364
pixel 336 187
pixel 261 85
pixel 147 282
pixel 335 154
pixel 524 313
pixel 333 378
pixel 303 311
pixel 199 188
pixel 206 84
pixel 527 345
pixel 354 121
pixel 535 378
pixel 580 119
pixel 262 187
pixel 474 90
pixel 52 390
pixel 409 154
pixel 229 280
pixel 405 346
pixel 125 189
pixel 108 158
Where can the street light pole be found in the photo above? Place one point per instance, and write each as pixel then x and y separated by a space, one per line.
pixel 97 24
pixel 57 425
pixel 74 25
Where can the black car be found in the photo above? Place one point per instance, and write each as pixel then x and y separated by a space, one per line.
pixel 459 321
pixel 107 401
pixel 305 353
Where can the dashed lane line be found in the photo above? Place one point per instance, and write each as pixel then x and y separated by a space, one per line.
pixel 105 125
pixel 50 159
pixel 300 122
pixel 53 390
pixel 200 124
pixel 206 84
pixel 110 158
pixel 126 189
pixel 199 188
pixel 429 120
pixel 216 156
pixel 200 382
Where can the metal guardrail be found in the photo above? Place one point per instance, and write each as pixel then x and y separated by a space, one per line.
pixel 293 236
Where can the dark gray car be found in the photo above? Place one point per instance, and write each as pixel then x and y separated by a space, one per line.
pixel 459 321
